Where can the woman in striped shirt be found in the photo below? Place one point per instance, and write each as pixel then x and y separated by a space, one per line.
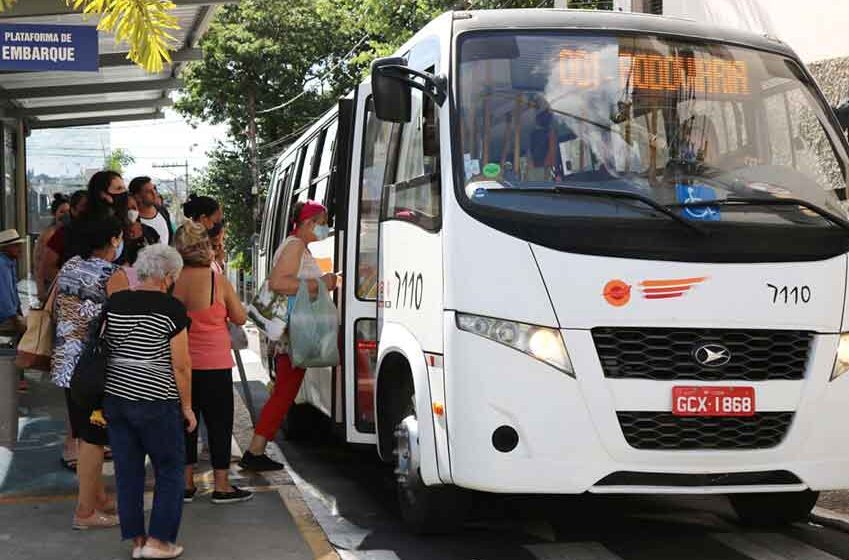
pixel 148 400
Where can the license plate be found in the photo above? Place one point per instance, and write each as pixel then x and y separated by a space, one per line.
pixel 713 401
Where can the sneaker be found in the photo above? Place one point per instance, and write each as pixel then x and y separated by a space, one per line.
pixel 259 463
pixel 235 495
pixel 189 495
pixel 97 520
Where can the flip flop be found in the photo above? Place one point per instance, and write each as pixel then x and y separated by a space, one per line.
pixel 69 464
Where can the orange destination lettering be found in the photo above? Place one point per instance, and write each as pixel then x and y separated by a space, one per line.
pixel 579 68
pixel 673 73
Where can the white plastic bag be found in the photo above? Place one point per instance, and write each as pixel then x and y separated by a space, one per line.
pixel 313 330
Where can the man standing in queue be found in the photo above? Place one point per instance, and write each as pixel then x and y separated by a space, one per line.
pixel 144 191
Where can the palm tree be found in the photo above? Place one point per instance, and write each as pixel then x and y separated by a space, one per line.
pixel 144 24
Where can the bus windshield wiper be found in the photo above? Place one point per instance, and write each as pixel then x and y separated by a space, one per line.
pixel 735 201
pixel 606 193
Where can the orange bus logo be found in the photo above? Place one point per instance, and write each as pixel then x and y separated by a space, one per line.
pixel 617 293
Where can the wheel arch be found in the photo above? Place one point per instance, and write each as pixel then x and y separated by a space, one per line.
pixel 402 372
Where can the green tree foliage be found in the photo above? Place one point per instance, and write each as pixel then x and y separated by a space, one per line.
pixel 118 159
pixel 389 24
pixel 268 51
pixel 281 64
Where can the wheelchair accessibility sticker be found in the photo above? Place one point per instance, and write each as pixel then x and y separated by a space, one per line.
pixel 697 193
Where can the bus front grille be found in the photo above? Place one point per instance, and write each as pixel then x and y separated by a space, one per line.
pixel 671 354
pixel 665 431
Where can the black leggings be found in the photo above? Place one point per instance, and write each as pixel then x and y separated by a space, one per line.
pixel 212 400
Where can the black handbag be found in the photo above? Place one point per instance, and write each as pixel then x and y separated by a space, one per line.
pixel 88 383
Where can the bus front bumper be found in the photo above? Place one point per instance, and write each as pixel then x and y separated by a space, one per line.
pixel 571 438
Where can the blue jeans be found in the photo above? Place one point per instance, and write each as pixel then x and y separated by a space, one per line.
pixel 153 428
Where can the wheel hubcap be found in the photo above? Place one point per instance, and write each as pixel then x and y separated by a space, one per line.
pixel 407 452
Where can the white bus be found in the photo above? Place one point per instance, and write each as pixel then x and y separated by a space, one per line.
pixel 584 252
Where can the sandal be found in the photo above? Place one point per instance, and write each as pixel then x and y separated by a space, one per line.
pixel 69 464
pixel 97 520
pixel 173 551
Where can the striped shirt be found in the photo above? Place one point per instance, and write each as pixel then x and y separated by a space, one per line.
pixel 139 329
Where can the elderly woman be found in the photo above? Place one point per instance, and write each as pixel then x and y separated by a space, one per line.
pixel 77 302
pixel 211 302
pixel 148 399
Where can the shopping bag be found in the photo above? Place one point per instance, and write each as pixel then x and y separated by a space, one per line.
pixel 36 346
pixel 270 312
pixel 313 330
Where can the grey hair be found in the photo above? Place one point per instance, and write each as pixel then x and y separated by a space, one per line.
pixel 158 261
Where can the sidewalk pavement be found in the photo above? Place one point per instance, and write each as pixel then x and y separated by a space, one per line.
pixel 37 498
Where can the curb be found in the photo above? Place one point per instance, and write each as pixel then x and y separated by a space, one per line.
pixel 830 519
pixel 306 523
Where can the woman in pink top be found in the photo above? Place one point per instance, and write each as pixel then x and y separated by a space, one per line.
pixel 211 302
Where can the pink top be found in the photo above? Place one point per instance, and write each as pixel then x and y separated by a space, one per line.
pixel 132 277
pixel 209 337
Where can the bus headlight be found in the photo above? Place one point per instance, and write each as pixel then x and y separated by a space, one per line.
pixel 841 363
pixel 541 343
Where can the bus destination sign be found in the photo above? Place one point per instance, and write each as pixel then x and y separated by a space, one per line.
pixel 656 72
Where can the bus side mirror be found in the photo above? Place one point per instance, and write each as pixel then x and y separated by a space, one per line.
pixel 391 94
pixel 842 114
pixel 391 86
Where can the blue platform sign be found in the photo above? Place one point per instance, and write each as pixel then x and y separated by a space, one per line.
pixel 41 48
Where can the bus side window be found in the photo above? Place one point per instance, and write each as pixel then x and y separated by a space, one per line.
pixel 300 196
pixel 375 152
pixel 279 204
pixel 307 167
pixel 415 194
pixel 322 178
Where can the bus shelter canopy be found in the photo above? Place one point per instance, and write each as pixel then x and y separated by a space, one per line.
pixel 118 91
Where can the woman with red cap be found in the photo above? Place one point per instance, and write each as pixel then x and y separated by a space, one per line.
pixel 293 264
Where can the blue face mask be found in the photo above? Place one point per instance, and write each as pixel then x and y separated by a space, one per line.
pixel 119 250
pixel 321 231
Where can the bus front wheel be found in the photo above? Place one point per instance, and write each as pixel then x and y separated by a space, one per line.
pixel 776 508
pixel 427 510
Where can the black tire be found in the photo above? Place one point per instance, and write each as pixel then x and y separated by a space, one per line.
pixel 773 509
pixel 429 510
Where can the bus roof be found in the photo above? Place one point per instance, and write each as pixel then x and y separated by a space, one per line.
pixel 601 20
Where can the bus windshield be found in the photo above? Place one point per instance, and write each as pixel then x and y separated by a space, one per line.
pixel 671 120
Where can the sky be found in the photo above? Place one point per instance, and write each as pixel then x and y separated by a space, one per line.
pixel 167 141
pixel 816 29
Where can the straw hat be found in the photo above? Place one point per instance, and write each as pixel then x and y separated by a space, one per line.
pixel 10 237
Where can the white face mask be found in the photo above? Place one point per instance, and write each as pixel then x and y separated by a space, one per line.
pixel 133 215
